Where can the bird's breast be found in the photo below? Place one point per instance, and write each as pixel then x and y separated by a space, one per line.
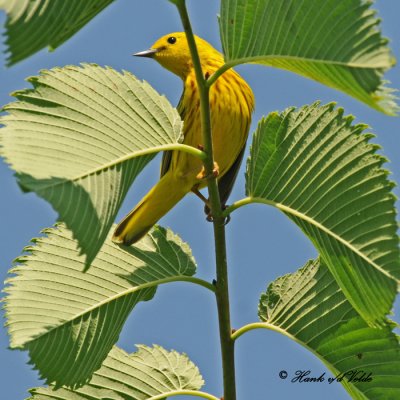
pixel 231 105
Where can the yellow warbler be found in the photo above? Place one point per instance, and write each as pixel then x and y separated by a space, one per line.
pixel 231 104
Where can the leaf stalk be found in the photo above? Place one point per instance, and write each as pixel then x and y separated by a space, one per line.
pixel 196 393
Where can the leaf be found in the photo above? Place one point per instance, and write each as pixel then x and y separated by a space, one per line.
pixel 69 320
pixel 80 138
pixel 309 307
pixel 336 43
pixel 35 24
pixel 151 371
pixel 320 170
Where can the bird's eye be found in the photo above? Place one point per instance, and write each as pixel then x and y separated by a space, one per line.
pixel 171 39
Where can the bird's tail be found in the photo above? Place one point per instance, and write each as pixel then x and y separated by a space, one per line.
pixel 157 202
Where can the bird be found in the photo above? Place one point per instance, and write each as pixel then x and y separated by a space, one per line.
pixel 231 107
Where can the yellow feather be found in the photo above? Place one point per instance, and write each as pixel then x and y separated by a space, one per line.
pixel 231 104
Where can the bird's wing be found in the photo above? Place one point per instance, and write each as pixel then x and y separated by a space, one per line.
pixel 165 162
pixel 167 155
pixel 225 184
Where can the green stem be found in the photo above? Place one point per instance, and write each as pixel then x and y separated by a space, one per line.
pixel 197 281
pixel 311 221
pixel 211 80
pixel 171 279
pixel 250 327
pixel 236 205
pixel 221 286
pixel 146 285
pixel 165 147
pixel 266 325
pixel 196 393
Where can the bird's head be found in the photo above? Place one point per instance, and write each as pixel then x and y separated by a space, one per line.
pixel 173 53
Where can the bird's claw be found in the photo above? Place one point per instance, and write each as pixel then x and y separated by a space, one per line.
pixel 202 174
pixel 215 171
pixel 227 219
pixel 210 218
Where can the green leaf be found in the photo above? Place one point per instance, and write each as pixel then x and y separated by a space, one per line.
pixel 80 138
pixel 69 320
pixel 35 24
pixel 320 170
pixel 336 43
pixel 309 307
pixel 150 372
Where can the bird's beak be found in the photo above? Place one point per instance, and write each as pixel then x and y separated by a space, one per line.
pixel 147 53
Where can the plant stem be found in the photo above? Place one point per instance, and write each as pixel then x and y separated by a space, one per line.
pixel 211 80
pixel 196 393
pixel 222 288
pixel 237 204
pixel 266 325
pixel 249 327
pixel 156 149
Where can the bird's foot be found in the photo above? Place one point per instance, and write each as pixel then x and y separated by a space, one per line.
pixel 202 175
pixel 210 218
pixel 196 191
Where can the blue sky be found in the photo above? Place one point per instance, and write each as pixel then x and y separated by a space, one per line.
pixel 262 243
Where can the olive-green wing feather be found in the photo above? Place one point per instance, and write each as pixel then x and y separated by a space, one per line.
pixel 165 162
pixel 167 155
pixel 225 184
